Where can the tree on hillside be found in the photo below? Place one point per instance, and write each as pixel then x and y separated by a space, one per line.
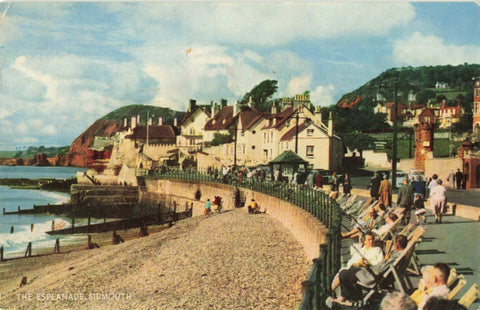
pixel 261 93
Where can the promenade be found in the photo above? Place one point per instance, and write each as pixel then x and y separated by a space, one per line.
pixel 456 241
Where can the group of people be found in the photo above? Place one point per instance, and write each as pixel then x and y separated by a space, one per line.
pixel 368 262
pixel 217 206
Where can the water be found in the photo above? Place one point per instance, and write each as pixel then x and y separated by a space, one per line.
pixel 11 198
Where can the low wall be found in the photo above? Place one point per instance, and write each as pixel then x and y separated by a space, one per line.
pixel 304 226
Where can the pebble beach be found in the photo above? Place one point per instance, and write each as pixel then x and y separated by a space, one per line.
pixel 231 260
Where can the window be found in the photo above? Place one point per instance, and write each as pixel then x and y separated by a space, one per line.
pixel 309 132
pixel 310 149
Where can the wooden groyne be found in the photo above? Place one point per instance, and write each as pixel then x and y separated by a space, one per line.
pixel 127 223
pixel 54 209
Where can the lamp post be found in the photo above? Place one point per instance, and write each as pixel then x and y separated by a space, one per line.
pixel 394 150
pixel 393 84
pixel 148 121
pixel 296 133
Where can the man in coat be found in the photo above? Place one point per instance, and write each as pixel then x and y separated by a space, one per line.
pixel 405 201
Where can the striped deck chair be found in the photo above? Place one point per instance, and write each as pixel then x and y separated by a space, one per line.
pixel 470 296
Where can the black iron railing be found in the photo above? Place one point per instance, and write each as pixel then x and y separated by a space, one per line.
pixel 317 286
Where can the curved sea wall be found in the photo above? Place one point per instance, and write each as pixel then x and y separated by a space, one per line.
pixel 308 230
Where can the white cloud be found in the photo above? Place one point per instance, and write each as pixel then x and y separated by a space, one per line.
pixel 265 23
pixel 4 112
pixel 323 95
pixel 425 50
pixel 298 84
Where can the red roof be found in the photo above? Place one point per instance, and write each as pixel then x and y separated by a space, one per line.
pixel 281 117
pixel 222 120
pixel 155 132
pixel 292 132
pixel 225 118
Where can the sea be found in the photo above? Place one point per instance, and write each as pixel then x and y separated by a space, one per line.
pixel 10 199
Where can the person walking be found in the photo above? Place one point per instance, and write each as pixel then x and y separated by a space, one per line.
pixel 207 209
pixel 319 181
pixel 459 178
pixel 375 185
pixel 419 187
pixel 385 193
pixel 347 185
pixel 438 198
pixel 405 201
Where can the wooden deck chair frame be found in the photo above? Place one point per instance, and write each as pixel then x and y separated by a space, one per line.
pixel 452 277
pixel 407 229
pixel 470 296
pixel 456 287
pixel 391 230
pixel 415 262
pixel 394 276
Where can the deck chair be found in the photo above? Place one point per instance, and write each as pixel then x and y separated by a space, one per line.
pixel 391 231
pixel 470 296
pixel 395 277
pixel 452 277
pixel 406 230
pixel 456 286
pixel 415 262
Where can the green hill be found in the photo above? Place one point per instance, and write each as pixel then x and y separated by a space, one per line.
pixel 154 112
pixel 422 81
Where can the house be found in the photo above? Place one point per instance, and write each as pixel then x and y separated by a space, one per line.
pixel 192 125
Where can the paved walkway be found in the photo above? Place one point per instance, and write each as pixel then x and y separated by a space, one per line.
pixel 456 242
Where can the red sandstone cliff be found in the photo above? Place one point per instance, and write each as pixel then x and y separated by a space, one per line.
pixel 77 155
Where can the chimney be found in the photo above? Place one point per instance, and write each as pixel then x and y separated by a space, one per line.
pixel 193 104
pixel 330 125
pixel 125 122
pixel 149 121
pixel 212 109
pixel 138 119
pixel 443 104
pixel 274 108
pixel 250 102
pixel 223 103
pixel 175 122
pixel 235 108
pixel 134 122
pixel 160 121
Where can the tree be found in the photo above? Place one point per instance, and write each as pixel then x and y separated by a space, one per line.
pixel 261 93
pixel 219 139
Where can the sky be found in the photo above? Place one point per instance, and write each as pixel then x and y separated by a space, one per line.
pixel 66 64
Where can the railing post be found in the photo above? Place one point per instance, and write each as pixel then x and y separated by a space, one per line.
pixel 28 252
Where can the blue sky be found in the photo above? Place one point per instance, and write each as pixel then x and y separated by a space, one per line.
pixel 66 64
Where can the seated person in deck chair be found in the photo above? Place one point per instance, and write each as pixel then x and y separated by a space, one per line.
pixel 361 257
pixel 390 221
pixel 350 290
pixel 376 220
pixel 434 284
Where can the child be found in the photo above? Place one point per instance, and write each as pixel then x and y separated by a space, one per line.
pixel 420 208
pixel 208 205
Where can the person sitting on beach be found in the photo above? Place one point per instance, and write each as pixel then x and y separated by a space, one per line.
pixel 216 204
pixel 253 207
